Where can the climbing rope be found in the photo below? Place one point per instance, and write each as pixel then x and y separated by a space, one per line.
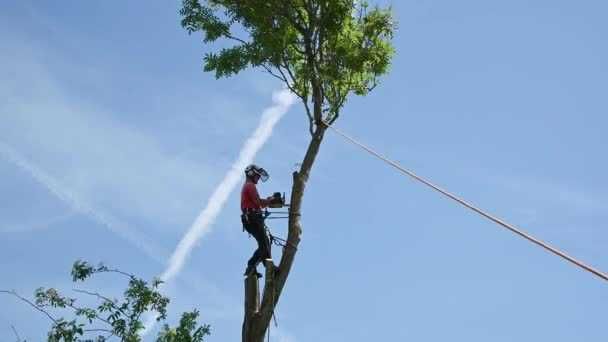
pixel 277 241
pixel 466 204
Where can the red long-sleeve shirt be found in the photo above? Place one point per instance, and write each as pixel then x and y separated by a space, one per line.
pixel 250 199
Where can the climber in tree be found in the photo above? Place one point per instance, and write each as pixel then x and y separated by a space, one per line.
pixel 253 218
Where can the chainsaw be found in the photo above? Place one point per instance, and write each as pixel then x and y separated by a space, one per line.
pixel 277 201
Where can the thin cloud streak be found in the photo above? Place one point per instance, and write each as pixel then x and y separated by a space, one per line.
pixel 38 225
pixel 95 148
pixel 282 100
pixel 79 205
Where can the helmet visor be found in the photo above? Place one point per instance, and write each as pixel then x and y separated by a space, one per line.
pixel 263 174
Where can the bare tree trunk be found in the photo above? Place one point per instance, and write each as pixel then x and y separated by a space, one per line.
pixel 256 321
pixel 252 303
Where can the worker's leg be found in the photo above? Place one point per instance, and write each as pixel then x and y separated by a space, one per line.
pixel 255 227
pixel 263 241
pixel 259 233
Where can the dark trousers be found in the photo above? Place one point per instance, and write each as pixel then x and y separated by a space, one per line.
pixel 254 225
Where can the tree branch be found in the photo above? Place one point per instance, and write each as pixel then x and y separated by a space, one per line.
pixel 111 270
pixel 269 70
pixel 303 97
pixel 299 26
pixel 311 120
pixel 16 333
pixel 99 330
pixel 109 333
pixel 95 294
pixel 12 292
pixel 107 300
pixel 96 315
pixel 229 36
pixel 296 46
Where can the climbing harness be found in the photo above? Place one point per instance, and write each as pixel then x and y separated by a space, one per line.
pixel 277 241
pixel 468 205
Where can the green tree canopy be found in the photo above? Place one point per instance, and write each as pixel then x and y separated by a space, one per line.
pixel 321 49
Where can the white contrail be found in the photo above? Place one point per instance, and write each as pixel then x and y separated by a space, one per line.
pixel 38 225
pixel 81 206
pixel 282 100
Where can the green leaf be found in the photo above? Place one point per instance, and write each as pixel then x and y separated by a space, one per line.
pixel 326 49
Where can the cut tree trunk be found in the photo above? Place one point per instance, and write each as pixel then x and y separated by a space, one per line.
pixel 252 303
pixel 258 315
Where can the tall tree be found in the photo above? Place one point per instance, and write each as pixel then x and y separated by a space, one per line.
pixel 323 51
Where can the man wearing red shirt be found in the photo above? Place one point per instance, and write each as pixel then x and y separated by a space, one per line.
pixel 252 218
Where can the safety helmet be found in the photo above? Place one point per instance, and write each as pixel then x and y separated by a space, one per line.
pixel 253 170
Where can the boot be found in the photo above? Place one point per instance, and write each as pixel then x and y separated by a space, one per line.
pixel 252 270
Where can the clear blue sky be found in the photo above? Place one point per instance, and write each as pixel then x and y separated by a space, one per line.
pixel 503 102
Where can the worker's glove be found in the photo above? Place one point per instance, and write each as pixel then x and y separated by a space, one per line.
pixel 276 200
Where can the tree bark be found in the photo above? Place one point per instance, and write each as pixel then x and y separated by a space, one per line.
pixel 252 304
pixel 256 322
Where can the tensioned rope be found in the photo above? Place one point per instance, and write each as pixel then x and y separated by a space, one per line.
pixel 504 224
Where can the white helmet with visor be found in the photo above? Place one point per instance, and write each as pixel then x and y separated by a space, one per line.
pixel 253 170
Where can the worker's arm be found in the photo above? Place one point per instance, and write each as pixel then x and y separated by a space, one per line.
pixel 255 197
pixel 264 202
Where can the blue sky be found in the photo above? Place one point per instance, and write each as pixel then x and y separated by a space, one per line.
pixel 501 102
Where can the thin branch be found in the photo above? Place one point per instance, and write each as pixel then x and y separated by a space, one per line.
pixel 31 304
pixel 291 84
pixel 316 22
pixel 336 110
pixel 285 65
pixel 96 315
pixel 55 321
pixel 315 42
pixel 360 13
pixel 302 28
pixel 95 294
pixel 112 270
pixel 333 119
pixel 303 97
pixel 108 300
pixel 229 36
pixel 286 80
pixel 296 47
pixel 294 21
pixel 16 333
pixel 269 70
pixel 109 333
pixel 310 9
pixel 311 120
pixel 99 330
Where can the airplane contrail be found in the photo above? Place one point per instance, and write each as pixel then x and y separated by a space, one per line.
pixel 282 100
pixel 81 206
pixel 36 226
